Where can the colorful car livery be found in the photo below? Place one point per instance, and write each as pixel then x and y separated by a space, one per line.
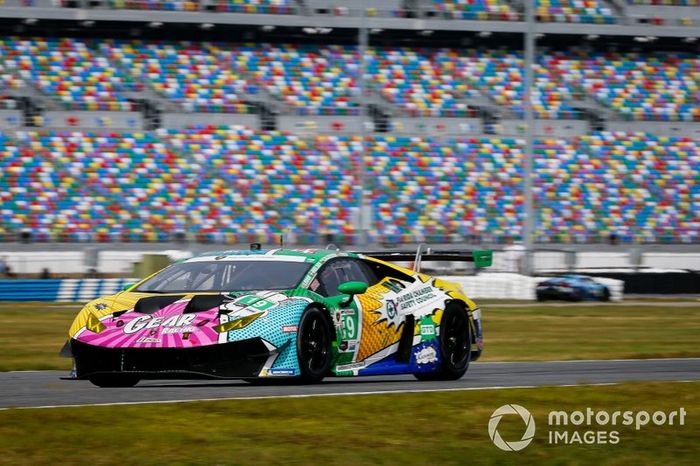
pixel 305 314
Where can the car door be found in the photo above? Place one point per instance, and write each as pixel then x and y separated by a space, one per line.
pixel 347 317
pixel 382 319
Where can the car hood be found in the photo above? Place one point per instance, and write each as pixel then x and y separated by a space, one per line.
pixel 146 320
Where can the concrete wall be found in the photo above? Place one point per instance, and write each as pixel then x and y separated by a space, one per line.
pixel 553 128
pixel 352 125
pixel 320 124
pixel 437 126
pixel 354 4
pixel 182 120
pixel 668 12
pixel 93 120
pixel 10 118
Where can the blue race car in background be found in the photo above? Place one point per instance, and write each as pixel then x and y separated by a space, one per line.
pixel 572 288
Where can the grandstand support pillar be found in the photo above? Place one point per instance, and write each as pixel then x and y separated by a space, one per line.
pixel 529 213
pixel 364 210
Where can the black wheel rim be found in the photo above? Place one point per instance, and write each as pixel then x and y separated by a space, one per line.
pixel 314 344
pixel 456 340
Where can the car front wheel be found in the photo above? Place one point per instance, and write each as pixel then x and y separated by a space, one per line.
pixel 314 345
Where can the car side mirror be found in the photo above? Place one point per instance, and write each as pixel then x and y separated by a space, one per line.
pixel 351 289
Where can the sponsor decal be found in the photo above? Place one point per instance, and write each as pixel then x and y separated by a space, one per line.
pixel 168 330
pixel 394 285
pixel 254 302
pixel 427 329
pixel 281 372
pixel 148 340
pixel 100 306
pixel 395 307
pixel 142 322
pixel 415 298
pixel 351 367
pixel 311 274
pixel 289 329
pixel 392 309
pixel 426 355
pixel 347 346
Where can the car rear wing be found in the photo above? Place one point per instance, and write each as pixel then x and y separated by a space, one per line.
pixel 480 257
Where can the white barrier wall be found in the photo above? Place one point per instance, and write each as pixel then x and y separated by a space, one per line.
pixel 515 286
pixel 114 261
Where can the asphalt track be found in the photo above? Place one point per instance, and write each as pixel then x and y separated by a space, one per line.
pixel 46 389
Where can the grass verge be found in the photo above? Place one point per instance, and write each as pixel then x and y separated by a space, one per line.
pixel 428 428
pixel 590 332
pixel 32 334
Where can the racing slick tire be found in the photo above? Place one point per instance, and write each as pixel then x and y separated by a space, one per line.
pixel 455 345
pixel 314 339
pixel 114 381
pixel 606 294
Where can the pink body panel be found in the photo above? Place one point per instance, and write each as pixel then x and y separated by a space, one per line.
pixel 167 328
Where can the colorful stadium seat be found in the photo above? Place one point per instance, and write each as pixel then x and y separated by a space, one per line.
pixel 476 9
pixel 640 86
pixel 236 185
pixel 70 70
pixel 574 11
pixel 188 74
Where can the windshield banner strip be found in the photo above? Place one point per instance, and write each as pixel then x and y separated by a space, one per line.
pixel 259 258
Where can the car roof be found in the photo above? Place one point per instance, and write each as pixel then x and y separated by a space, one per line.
pixel 307 255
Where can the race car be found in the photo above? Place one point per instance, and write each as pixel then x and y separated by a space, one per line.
pixel 572 288
pixel 282 313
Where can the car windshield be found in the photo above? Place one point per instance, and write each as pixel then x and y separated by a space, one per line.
pixel 226 275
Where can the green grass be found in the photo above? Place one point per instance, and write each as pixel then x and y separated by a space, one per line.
pixel 32 334
pixel 428 428
pixel 590 332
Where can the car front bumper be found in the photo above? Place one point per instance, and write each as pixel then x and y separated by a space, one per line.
pixel 240 359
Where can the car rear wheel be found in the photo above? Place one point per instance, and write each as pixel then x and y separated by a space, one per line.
pixel 114 380
pixel 455 345
pixel 314 345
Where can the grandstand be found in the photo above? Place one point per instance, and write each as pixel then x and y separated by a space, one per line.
pixel 130 121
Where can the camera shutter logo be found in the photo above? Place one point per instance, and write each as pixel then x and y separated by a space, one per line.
pixel 529 427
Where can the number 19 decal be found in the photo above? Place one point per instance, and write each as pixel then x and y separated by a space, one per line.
pixel 349 331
